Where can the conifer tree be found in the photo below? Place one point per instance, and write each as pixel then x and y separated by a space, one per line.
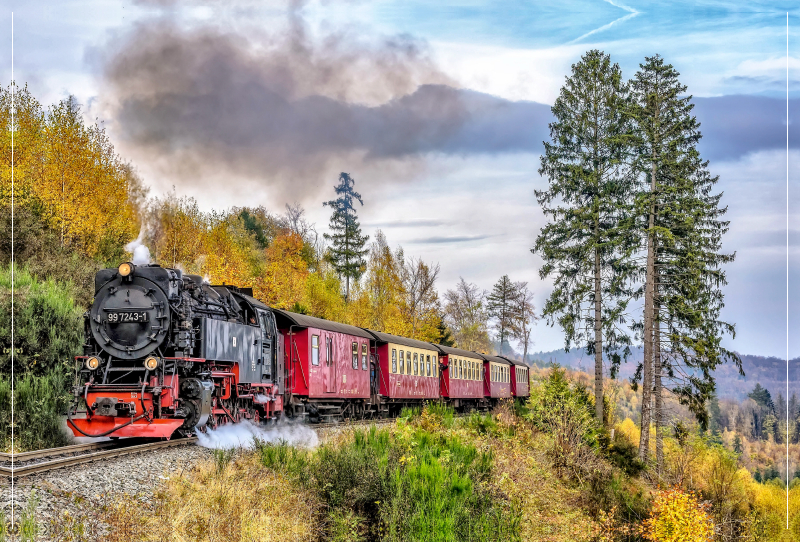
pixel 347 243
pixel 683 226
pixel 589 239
pixel 502 305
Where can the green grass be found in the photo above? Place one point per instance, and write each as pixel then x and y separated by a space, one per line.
pixel 411 485
pixel 223 458
pixel 28 526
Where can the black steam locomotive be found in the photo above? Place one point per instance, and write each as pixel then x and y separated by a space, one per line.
pixel 167 352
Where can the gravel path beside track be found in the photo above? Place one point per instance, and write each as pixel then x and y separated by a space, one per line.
pixel 76 493
pixel 82 489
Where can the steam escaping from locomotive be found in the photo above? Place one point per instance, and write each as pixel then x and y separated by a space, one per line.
pixel 141 254
pixel 245 434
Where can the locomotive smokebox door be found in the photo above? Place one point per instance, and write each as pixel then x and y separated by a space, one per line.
pixel 130 317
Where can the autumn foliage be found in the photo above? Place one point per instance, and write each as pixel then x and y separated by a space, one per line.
pixel 677 516
pixel 68 172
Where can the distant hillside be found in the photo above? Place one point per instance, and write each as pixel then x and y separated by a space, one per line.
pixel 770 372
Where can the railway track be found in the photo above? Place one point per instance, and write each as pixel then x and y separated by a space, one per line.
pixel 38 461
pixel 91 454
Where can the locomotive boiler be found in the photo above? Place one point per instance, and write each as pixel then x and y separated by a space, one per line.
pixel 166 352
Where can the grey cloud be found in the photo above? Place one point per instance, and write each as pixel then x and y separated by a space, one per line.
pixel 291 112
pixel 453 239
pixel 287 109
pixel 408 224
pixel 736 125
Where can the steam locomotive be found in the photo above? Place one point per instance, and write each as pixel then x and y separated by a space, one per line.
pixel 166 353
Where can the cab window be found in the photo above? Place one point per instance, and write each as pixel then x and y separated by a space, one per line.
pixel 394 360
pixel 355 355
pixel 315 349
pixel 364 363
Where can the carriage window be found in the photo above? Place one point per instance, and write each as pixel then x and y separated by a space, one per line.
pixel 435 365
pixel 355 355
pixel 402 364
pixel 315 349
pixel 364 356
pixel 472 370
pixel 428 361
pixel 416 364
pixel 328 350
pixel 394 360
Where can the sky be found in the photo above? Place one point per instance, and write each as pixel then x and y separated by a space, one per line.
pixel 438 110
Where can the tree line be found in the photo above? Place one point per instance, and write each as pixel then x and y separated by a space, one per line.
pixel 633 216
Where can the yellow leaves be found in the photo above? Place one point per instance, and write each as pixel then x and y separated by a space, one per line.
pixel 283 283
pixel 678 516
pixel 629 430
pixel 69 173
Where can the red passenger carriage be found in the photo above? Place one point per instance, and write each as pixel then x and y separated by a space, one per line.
pixel 520 378
pixel 462 377
pixel 497 378
pixel 408 370
pixel 327 367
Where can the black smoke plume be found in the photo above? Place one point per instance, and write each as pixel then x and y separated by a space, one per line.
pixel 292 111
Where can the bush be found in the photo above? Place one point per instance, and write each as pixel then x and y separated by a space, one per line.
pixel 39 406
pixel 565 411
pixel 677 516
pixel 48 328
pixel 415 485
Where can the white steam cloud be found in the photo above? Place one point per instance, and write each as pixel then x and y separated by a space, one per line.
pixel 141 254
pixel 242 435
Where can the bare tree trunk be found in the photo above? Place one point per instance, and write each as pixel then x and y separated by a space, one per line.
pixel 647 335
pixel 598 338
pixel 659 417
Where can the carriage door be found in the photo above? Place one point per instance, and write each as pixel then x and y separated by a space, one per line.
pixel 330 366
pixel 267 346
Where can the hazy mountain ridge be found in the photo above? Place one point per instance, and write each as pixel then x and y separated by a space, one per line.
pixel 768 371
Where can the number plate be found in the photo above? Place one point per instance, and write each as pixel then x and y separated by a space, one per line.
pixel 123 317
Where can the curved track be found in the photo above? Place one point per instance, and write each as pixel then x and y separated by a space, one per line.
pixel 38 461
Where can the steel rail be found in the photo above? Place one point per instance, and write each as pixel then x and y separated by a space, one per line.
pixel 35 468
pixel 36 454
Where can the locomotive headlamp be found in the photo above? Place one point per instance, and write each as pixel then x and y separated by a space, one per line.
pixel 151 363
pixel 125 269
pixel 92 363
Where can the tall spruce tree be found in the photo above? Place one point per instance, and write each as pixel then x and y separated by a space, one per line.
pixel 589 239
pixel 347 243
pixel 682 225
pixel 502 305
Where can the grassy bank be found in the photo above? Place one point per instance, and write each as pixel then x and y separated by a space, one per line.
pixel 542 471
